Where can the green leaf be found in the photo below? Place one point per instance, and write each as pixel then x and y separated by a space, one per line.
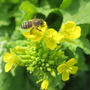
pixel 65 3
pixel 82 43
pixel 47 6
pixel 7 29
pixel 14 1
pixel 4 15
pixel 17 82
pixel 56 83
pixel 35 2
pixel 78 12
pixel 85 30
pixel 56 21
pixel 81 60
pixel 75 84
pixel 28 8
pixel 49 3
pixel 54 3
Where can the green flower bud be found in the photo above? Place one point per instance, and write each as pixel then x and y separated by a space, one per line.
pixel 48 69
pixel 53 74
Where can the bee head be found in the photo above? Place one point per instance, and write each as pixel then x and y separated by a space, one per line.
pixel 41 22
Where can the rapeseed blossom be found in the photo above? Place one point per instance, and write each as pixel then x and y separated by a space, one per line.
pixel 11 59
pixel 52 37
pixel 70 31
pixel 44 85
pixel 67 68
pixel 35 34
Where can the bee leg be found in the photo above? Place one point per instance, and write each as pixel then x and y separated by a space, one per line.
pixel 38 29
pixel 31 30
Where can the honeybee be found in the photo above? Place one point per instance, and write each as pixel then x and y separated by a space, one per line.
pixel 33 23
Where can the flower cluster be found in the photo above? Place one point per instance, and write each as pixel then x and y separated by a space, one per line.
pixel 42 53
pixel 51 37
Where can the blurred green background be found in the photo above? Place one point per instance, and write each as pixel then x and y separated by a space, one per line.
pixel 55 12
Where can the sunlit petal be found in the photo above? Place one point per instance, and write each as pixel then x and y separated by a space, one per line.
pixel 6 57
pixel 65 75
pixel 52 38
pixel 44 85
pixel 8 66
pixel 71 62
pixel 74 69
pixel 61 68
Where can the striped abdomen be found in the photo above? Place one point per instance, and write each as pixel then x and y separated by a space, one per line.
pixel 26 25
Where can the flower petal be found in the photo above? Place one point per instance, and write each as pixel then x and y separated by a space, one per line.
pixel 65 75
pixel 71 62
pixel 27 35
pixel 44 85
pixel 61 68
pixel 52 33
pixel 50 43
pixel 69 24
pixel 77 32
pixel 6 57
pixel 8 66
pixel 74 69
pixel 14 58
pixel 52 38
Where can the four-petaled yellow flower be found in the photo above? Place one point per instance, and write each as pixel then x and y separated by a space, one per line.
pixel 36 34
pixel 44 85
pixel 70 31
pixel 52 37
pixel 11 59
pixel 67 68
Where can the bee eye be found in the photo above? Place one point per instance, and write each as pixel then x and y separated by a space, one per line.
pixel 41 22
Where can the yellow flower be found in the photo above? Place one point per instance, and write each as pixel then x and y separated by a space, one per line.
pixel 52 37
pixel 35 34
pixel 67 68
pixel 44 85
pixel 10 59
pixel 70 30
